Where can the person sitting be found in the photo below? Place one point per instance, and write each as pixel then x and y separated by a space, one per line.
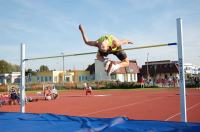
pixel 47 93
pixel 54 93
pixel 2 101
pixel 88 89
pixel 14 96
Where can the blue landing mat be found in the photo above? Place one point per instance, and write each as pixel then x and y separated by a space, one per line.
pixel 18 122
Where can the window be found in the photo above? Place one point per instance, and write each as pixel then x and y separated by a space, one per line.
pixel 42 79
pixel 29 79
pixel 50 79
pixel 113 77
pixel 38 78
pixel 46 79
pixel 134 76
pixel 131 77
pixel 67 79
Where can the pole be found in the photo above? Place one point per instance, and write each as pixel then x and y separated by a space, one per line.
pixel 63 81
pixel 22 82
pixel 148 68
pixel 181 70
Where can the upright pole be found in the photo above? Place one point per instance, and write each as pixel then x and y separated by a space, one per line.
pixel 22 82
pixel 181 70
pixel 63 80
pixel 148 68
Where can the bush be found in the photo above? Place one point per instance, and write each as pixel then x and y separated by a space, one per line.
pixel 192 85
pixel 122 85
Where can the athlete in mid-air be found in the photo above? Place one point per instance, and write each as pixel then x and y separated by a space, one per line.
pixel 108 44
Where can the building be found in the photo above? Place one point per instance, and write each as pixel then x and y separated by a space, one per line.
pixel 191 70
pixel 82 76
pixel 45 77
pixel 157 70
pixel 13 77
pixel 57 76
pixel 129 74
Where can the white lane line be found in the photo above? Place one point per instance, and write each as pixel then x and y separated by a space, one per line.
pixel 119 107
pixel 180 113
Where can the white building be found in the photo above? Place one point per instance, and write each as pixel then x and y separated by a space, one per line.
pixel 191 69
pixel 13 77
pixel 128 74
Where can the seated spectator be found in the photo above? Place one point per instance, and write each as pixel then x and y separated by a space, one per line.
pixel 88 89
pixel 2 102
pixel 14 96
pixel 4 99
pixel 47 93
pixel 54 93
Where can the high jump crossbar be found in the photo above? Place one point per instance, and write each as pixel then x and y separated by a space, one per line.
pixel 88 53
pixel 180 60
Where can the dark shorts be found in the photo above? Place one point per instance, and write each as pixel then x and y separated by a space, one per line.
pixel 13 96
pixel 121 55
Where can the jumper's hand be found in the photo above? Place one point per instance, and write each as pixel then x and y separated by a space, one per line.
pixel 130 42
pixel 81 28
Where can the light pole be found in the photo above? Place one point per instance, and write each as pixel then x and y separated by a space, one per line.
pixel 63 81
pixel 147 67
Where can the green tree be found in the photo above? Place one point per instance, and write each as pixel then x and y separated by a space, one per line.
pixel 6 67
pixel 44 68
pixel 15 68
pixel 30 72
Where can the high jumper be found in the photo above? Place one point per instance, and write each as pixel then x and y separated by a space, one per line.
pixel 108 44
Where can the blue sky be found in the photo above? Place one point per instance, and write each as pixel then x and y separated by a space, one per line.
pixel 49 27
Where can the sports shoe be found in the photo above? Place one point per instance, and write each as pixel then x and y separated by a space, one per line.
pixel 106 64
pixel 112 68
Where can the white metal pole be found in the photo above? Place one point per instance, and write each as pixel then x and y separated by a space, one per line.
pixel 148 68
pixel 22 83
pixel 63 68
pixel 181 70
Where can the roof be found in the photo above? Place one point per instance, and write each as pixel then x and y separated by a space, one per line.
pixel 91 68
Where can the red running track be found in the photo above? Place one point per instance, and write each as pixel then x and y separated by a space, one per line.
pixel 139 104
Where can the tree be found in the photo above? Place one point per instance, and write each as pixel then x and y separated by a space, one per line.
pixel 15 68
pixel 6 67
pixel 30 72
pixel 44 68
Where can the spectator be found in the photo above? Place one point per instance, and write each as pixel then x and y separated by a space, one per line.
pixel 88 89
pixel 163 82
pixel 54 93
pixel 170 81
pixel 196 81
pixel 174 81
pixel 142 82
pixel 14 96
pixel 47 93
